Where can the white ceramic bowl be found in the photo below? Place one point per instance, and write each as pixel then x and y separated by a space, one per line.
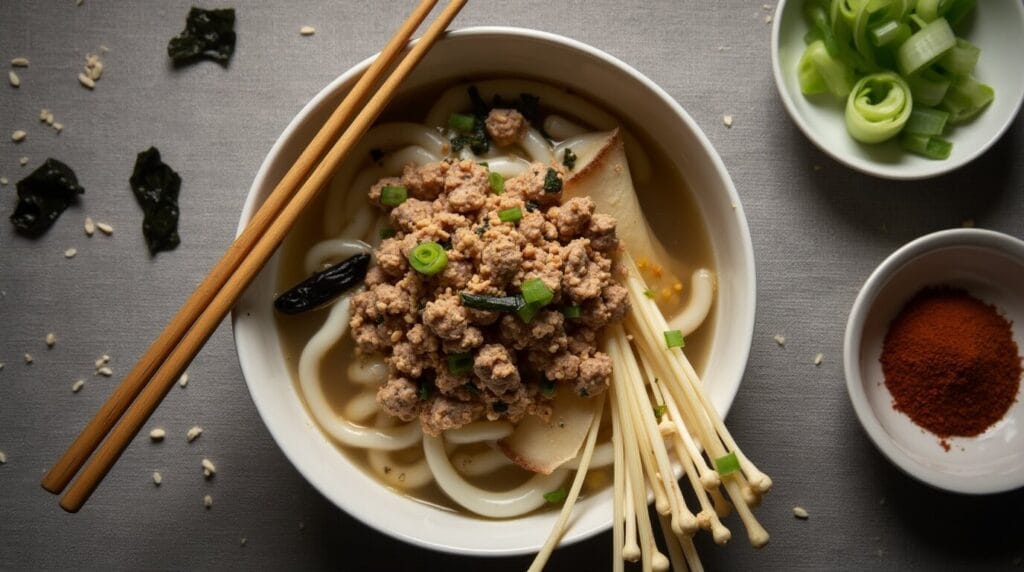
pixel 495 52
pixel 990 266
pixel 998 29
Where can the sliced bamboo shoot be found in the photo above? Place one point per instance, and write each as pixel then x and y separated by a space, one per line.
pixel 542 447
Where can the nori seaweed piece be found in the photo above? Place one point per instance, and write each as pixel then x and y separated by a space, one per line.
pixel 208 34
pixel 43 195
pixel 156 188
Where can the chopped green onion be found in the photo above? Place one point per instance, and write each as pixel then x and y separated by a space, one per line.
pixel 674 339
pixel 527 312
pixel 889 33
pixel 926 121
pixel 495 303
pixel 878 107
pixel 925 47
pixel 459 364
pixel 535 291
pixel 386 232
pixel 393 196
pixel 461 122
pixel 497 182
pixel 428 258
pixel 649 293
pixel 660 411
pixel 483 164
pixel 552 182
pixel 727 464
pixel 572 312
pixel 556 496
pixel 928 146
pixel 510 215
pixel 820 72
pixel 928 87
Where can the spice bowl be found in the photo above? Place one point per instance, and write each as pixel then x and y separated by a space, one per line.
pixel 989 266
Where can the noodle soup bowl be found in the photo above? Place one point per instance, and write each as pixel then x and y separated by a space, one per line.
pixel 497 52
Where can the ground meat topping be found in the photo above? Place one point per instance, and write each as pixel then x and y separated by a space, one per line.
pixel 506 126
pixel 421 327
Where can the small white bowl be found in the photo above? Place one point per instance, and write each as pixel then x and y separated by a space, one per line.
pixel 496 52
pixel 998 29
pixel 990 266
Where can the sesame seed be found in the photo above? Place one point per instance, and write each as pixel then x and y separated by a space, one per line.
pixel 243 541
pixel 18 136
pixel 819 358
pixel 90 227
pixel 86 81
pixel 23 161
pixel 768 19
pixel 1 365
pixel 58 127
pixel 50 340
pixel 105 228
pixel 102 361
pixel 183 380
pixel 800 512
pixel 194 433
pixel 157 478
pixel 105 371
pixel 20 62
pixel 28 358
pixel 307 30
pixel 78 386
pixel 70 253
pixel 14 79
pixel 208 468
pixel 780 339
pixel 3 458
pixel 208 502
pixel 157 435
pixel 727 120
pixel 3 181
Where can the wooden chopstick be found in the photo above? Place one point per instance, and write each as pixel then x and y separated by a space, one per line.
pixel 215 303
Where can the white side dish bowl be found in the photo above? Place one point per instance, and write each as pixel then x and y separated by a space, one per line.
pixel 495 52
pixel 990 266
pixel 998 29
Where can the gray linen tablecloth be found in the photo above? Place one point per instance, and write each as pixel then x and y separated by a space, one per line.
pixel 818 231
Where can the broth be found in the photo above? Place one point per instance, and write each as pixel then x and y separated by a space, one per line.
pixel 666 212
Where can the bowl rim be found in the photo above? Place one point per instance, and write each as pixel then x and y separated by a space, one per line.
pixel 745 243
pixel 852 344
pixel 866 166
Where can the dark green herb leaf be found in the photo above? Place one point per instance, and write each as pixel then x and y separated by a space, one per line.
pixel 660 411
pixel 480 106
pixel 386 233
pixel 324 286
pixel 556 496
pixel 528 105
pixel 532 206
pixel 569 159
pixel 156 188
pixel 208 34
pixel 43 195
pixel 547 388
pixel 552 182
pixel 425 390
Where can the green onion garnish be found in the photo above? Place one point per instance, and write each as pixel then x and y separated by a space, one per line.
pixel 497 182
pixel 387 232
pixel 513 214
pixel 878 107
pixel 727 464
pixel 535 291
pixel 483 164
pixel 649 293
pixel 461 122
pixel 459 364
pixel 428 258
pixel 660 411
pixel 925 47
pixel 393 196
pixel 674 339
pixel 528 311
pixel 552 182
pixel 572 312
pixel 556 496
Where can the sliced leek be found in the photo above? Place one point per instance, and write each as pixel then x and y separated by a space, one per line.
pixel 878 107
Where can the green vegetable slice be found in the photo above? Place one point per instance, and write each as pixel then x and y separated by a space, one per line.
pixel 928 87
pixel 727 464
pixel 536 292
pixel 925 47
pixel 965 98
pixel 820 72
pixel 961 58
pixel 928 146
pixel 674 339
pixel 926 121
pixel 461 122
pixel 497 182
pixel 572 312
pixel 513 214
pixel 660 411
pixel 393 196
pixel 428 258
pixel 556 496
pixel 878 107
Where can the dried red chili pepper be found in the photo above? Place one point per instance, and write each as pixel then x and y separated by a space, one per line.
pixel 950 363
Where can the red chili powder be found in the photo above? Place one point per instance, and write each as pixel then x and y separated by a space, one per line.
pixel 950 363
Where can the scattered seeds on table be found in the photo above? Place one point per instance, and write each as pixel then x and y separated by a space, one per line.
pixel 28 359
pixel 3 458
pixel 768 19
pixel 1 365
pixel 14 79
pixel 19 62
pixel 78 386
pixel 208 502
pixel 58 127
pixel 194 433
pixel 157 435
pixel 243 541
pixel 208 468
pixel 102 361
pixel 90 227
pixel 780 339
pixel 183 380
pixel 18 136
pixel 727 120
pixel 819 358
pixel 800 512
pixel 50 340
pixel 70 253
pixel 105 228
pixel 157 478
pixel 86 81
pixel 3 181
pixel 105 371
pixel 307 30
pixel 23 161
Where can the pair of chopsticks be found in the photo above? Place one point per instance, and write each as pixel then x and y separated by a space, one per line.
pixel 145 386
